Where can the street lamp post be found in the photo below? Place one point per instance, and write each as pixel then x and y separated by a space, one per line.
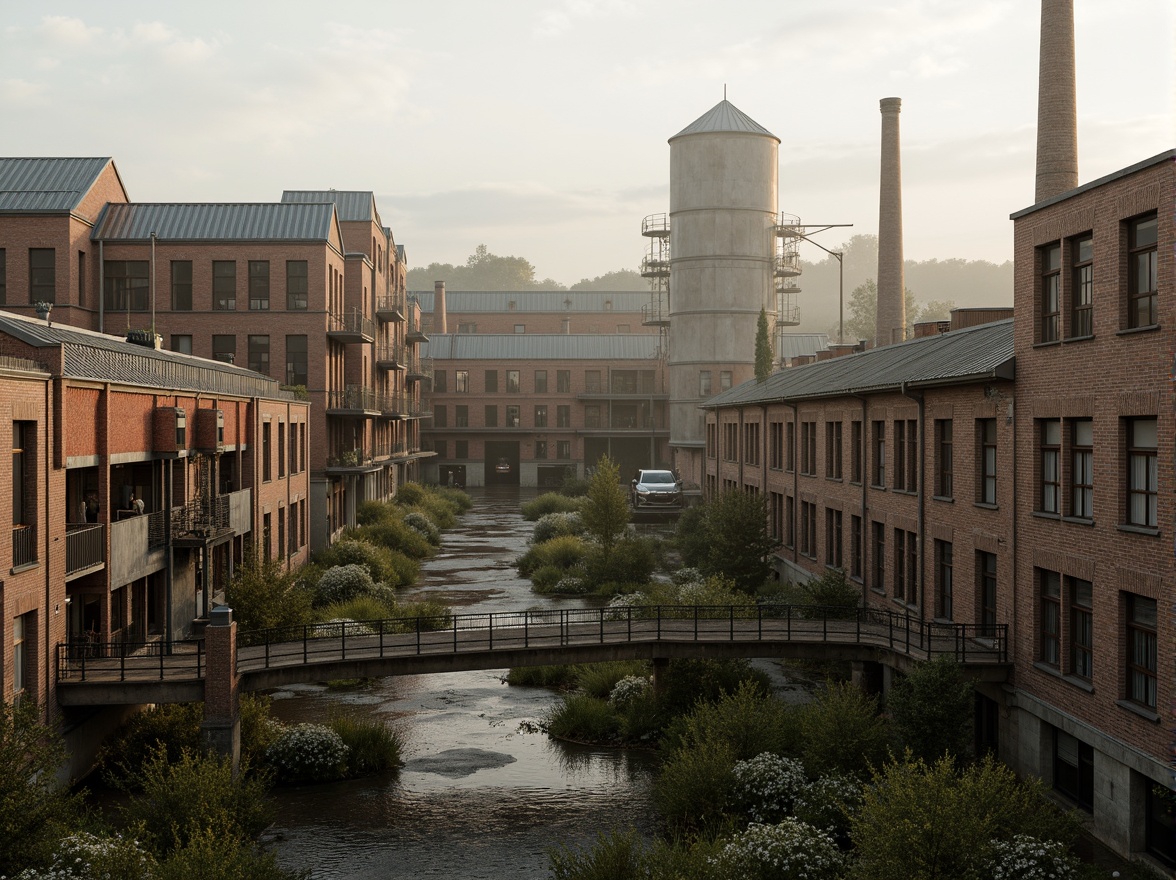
pixel 804 232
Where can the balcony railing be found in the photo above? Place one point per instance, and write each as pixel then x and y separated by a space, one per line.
pixel 24 545
pixel 420 368
pixel 201 517
pixel 391 308
pixel 85 546
pixel 352 326
pixel 391 356
pixel 400 406
pixel 352 400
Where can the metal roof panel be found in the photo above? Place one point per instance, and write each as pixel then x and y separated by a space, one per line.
pixel 47 184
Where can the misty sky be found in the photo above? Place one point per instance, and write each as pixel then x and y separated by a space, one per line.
pixel 540 128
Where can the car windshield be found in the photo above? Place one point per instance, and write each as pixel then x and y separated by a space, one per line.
pixel 657 477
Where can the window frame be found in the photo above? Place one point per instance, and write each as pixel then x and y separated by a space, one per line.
pixel 1049 445
pixel 943 458
pixel 1050 257
pixel 1142 272
pixel 224 286
pixel 1142 660
pixel 833 450
pixel 1081 477
pixel 944 580
pixel 1147 490
pixel 1049 625
pixel 1080 611
pixel 42 275
pixel 986 461
pixel 1081 286
pixel 181 287
pixel 297 300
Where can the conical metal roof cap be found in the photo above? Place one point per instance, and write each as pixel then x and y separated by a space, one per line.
pixel 724 116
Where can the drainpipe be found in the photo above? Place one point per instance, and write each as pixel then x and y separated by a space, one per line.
pixel 867 532
pixel 101 287
pixel 170 555
pixel 921 516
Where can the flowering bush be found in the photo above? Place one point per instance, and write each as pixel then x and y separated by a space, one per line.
pixel 687 576
pixel 343 583
pixel 552 525
pixel 791 850
pixel 308 753
pixel 424 526
pixel 571 585
pixel 768 785
pixel 337 627
pixel 1027 858
pixel 829 803
pixel 83 855
pixel 628 689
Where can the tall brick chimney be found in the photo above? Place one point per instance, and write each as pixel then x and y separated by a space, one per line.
pixel 1057 103
pixel 439 316
pixel 890 321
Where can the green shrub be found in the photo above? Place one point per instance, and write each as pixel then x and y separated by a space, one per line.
pixel 457 499
pixel 83 855
pixel 209 854
pixel 259 728
pixel 377 559
pixel 694 790
pixel 563 552
pixel 371 512
pixel 832 593
pixel 599 679
pixel 392 533
pixel 431 614
pixel 410 494
pixel 583 718
pixel 615 856
pixel 552 525
pixel 372 747
pixel 790 850
pixel 342 583
pixel 308 753
pixel 689 682
pixel 549 502
pixel 263 594
pixel 546 579
pixel 747 718
pixel 843 732
pixel 931 710
pixel 574 487
pixel 173 727
pixel 628 562
pixel 561 676
pixel 419 522
pixel 362 607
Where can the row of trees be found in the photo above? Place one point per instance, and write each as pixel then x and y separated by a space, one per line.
pixel 483 270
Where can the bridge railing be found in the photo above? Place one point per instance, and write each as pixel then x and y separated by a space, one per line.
pixel 85 658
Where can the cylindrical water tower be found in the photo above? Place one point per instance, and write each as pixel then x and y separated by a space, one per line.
pixel 723 196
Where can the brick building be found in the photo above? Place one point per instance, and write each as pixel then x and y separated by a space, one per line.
pixel 1019 473
pixel 217 456
pixel 309 290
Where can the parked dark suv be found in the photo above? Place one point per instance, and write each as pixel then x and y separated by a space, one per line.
pixel 655 489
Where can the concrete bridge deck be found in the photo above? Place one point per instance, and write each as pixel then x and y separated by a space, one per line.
pixel 131 674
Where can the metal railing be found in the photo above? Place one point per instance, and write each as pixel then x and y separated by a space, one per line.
pixel 85 546
pixel 201 516
pixel 87 659
pixel 354 398
pixel 394 303
pixel 24 545
pixel 353 323
pixel 156 529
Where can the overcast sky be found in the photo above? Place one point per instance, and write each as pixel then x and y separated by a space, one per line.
pixel 539 127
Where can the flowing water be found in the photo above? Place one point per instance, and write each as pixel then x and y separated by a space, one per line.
pixel 481 795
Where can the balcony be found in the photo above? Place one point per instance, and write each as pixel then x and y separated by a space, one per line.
pixel 391 308
pixel 420 368
pixel 656 312
pixel 400 406
pixel 391 356
pixel 201 522
pixel 599 392
pixel 385 451
pixel 416 334
pixel 24 545
pixel 354 400
pixel 85 549
pixel 352 461
pixel 351 327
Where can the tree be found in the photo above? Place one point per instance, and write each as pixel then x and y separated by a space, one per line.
pixel 620 279
pixel 763 348
pixel 482 270
pixel 729 537
pixel 605 513
pixel 262 595
pixel 931 709
pixel 863 311
pixel 35 809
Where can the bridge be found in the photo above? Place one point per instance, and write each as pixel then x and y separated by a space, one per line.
pixel 138 673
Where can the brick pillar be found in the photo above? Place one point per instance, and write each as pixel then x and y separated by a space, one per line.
pixel 221 729
pixel 890 321
pixel 1057 103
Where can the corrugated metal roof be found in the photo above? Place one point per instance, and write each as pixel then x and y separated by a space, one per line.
pixel 46 184
pixel 724 116
pixel 90 355
pixel 498 301
pixel 973 353
pixel 797 344
pixel 215 221
pixel 351 204
pixel 541 347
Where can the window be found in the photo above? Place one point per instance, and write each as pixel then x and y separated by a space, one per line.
pixel 491 381
pixel 441 448
pixel 81 278
pixel 906 566
pixel 512 381
pixel 833 450
pixel 563 416
pixel 181 343
pixel 461 449
pixel 1050 435
pixel 224 348
pixel 461 416
pixel 42 275
pixel 790 447
pixel 1141 650
pixel 439 383
pixel 751 443
pixel 1081 595
pixel 541 381
pixel 1142 475
pixel 266 534
pixel 563 381
pixel 181 285
pixel 127 285
pixel 808 528
pixel 944 583
pixel 293 546
pixel 878 459
pixel 563 449
pixel 1082 468
pixel 790 521
pixel 259 285
pixel 461 381
pixel 296 360
pixel 1051 292
pixel 520 328
pixel 776 516
pixel 855 452
pixel 1050 626
pixel 776 445
pixel 592 415
pixel 22 638
pixel 704 383
pixel 878 579
pixel 24 547
pixel 3 277
pixel 855 546
pixel 1082 287
pixel 808 448
pixel 712 440
pixel 724 380
pixel 512 417
pixel 986 579
pixel 1074 769
pixel 467 327
pixel 294 429
pixel 730 442
pixel 906 455
pixel 541 449
pixel 266 452
pixel 281 457
pixel 833 538
pixel 440 416
pixel 491 415
pixel 943 458
pixel 296 285
pixel 259 351
pixel 224 285
pixel 541 415
pixel 1142 270
pixel 986 434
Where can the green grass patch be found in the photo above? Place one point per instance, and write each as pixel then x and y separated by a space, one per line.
pixel 372 746
pixel 584 718
pixel 549 502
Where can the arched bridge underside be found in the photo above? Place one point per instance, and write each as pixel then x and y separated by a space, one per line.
pixel 136 674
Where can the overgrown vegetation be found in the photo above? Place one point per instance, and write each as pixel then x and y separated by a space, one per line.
pixel 728 536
